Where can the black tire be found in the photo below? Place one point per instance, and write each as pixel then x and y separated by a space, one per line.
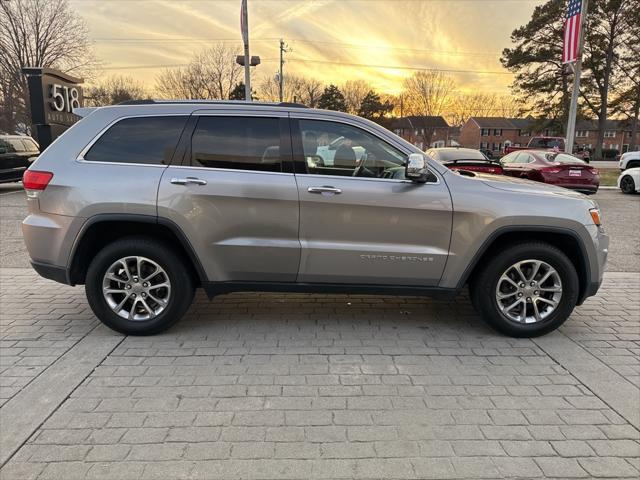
pixel 484 286
pixel 627 185
pixel 182 285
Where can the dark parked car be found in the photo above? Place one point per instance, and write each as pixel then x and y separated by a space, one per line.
pixel 465 159
pixel 15 152
pixel 554 168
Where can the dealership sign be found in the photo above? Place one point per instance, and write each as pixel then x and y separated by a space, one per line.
pixel 53 95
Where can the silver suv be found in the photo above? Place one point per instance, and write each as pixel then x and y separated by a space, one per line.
pixel 142 203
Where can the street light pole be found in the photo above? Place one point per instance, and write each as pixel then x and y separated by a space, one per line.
pixel 283 49
pixel 244 25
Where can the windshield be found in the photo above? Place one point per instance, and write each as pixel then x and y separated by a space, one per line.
pixel 547 143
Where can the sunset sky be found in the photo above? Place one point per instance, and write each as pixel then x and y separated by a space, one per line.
pixel 331 40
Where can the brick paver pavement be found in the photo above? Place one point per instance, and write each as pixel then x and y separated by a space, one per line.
pixel 319 386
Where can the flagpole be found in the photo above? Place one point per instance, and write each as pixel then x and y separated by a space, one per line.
pixel 247 59
pixel 577 71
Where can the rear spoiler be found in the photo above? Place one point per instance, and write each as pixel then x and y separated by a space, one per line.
pixel 84 111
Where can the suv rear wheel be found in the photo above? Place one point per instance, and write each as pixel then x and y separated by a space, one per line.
pixel 138 286
pixel 526 290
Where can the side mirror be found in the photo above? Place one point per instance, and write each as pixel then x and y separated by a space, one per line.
pixel 3 150
pixel 417 169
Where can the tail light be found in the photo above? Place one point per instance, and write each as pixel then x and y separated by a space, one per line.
pixel 36 180
pixel 593 170
pixel 551 170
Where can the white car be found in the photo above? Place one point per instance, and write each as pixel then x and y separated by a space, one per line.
pixel 629 180
pixel 630 160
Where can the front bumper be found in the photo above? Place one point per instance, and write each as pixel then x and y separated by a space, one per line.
pixel 598 264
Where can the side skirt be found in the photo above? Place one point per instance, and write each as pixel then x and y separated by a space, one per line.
pixel 219 288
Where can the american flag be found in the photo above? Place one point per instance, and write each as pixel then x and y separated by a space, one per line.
pixel 572 31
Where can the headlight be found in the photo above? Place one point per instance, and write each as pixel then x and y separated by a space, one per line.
pixel 595 216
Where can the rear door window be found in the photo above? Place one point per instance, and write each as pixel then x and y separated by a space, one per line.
pixel 141 140
pixel 238 143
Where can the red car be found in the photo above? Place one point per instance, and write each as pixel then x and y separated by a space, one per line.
pixel 465 159
pixel 554 168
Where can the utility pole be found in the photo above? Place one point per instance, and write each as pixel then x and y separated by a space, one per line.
pixel 283 49
pixel 244 25
pixel 577 71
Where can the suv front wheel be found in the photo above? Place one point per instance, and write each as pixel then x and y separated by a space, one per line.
pixel 526 290
pixel 138 286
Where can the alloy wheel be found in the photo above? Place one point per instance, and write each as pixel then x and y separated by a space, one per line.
pixel 529 291
pixel 136 288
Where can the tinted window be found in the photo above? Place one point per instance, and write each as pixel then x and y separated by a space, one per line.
pixel 239 143
pixel 338 149
pixel 6 146
pixel 149 140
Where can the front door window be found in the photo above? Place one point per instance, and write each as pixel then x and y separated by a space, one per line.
pixel 343 150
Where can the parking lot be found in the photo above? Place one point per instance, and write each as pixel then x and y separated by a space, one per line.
pixel 318 386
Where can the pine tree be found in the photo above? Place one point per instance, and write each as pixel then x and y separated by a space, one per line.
pixel 604 41
pixel 541 81
pixel 238 92
pixel 332 99
pixel 372 107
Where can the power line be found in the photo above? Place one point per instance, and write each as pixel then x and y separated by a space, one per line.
pixel 312 1
pixel 382 47
pixel 299 40
pixel 398 67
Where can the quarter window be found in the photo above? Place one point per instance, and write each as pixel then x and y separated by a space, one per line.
pixel 145 140
pixel 339 149
pixel 239 143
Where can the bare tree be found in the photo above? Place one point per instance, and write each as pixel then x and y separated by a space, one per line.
pixel 427 94
pixel 354 92
pixel 464 106
pixel 296 89
pixel 113 90
pixel 210 75
pixel 37 33
pixel 508 106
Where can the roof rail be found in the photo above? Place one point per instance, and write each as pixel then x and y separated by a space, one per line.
pixel 137 102
pixel 218 102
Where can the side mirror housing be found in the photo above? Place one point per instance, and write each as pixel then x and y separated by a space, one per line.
pixel 417 169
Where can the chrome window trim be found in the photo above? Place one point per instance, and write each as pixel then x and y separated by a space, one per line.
pixel 83 152
pixel 235 170
pixel 370 179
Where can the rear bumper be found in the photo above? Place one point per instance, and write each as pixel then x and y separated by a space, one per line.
pixel 52 272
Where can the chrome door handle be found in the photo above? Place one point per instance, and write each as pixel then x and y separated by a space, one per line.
pixel 324 189
pixel 188 180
